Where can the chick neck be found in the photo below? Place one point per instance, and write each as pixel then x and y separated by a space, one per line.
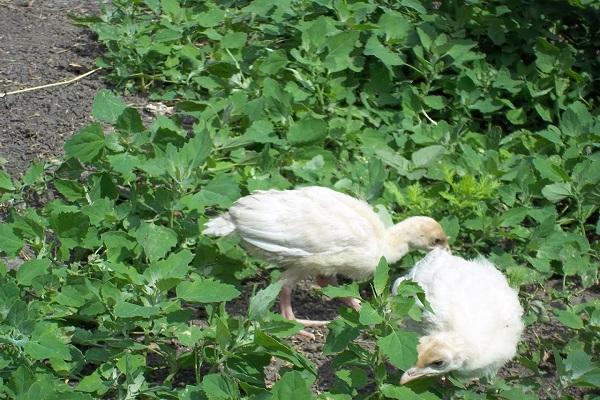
pixel 398 241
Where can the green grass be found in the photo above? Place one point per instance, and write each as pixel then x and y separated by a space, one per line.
pixel 483 115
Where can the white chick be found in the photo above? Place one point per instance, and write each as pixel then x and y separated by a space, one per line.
pixel 476 321
pixel 316 231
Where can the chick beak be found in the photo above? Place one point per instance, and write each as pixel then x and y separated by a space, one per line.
pixel 411 374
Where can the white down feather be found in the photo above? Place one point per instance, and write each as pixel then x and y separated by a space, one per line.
pixel 471 301
pixel 315 229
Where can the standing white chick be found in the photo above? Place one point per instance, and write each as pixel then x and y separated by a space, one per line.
pixel 316 231
pixel 476 321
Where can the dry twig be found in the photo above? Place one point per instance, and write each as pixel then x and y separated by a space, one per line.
pixel 66 82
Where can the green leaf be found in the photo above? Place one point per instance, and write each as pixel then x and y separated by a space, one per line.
pixel 350 290
pixel 234 40
pixel 400 348
pixel 315 33
pixel 394 24
pixel 263 300
pixel 5 182
pixel 339 336
pixel 155 240
pixel 307 130
pixel 220 387
pixel 33 174
pixel 10 243
pixel 549 170
pixel 130 121
pixel 340 46
pixel 369 316
pixel 375 48
pixel 281 350
pixel 125 309
pixel 206 291
pixel 29 270
pixel 434 102
pixel 398 392
pixel 222 191
pixel 86 144
pixel 72 190
pixel 292 385
pixel 569 319
pixel 381 277
pixel 73 225
pixel 45 343
pixel 557 191
pixel 107 106
pixel 517 117
pixel 428 155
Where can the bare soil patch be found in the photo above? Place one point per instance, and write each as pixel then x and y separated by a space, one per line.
pixel 39 45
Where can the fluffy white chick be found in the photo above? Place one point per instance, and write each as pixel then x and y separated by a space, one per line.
pixel 316 231
pixel 476 321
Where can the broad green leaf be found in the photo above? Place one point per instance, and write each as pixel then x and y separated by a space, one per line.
pixel 156 240
pixel 394 24
pixel 33 174
pixel 274 62
pixel 292 385
pixel 339 48
pixel 72 190
pixel 73 225
pixel 10 243
pixel 222 191
pixel 435 102
pixel 125 309
pixel 281 350
pixel 350 290
pixel 549 170
pixel 206 291
pixel 557 191
pixel 29 270
pixel 86 144
pixel 263 300
pixel 220 387
pixel 307 130
pixel 46 344
pixel 130 121
pixel 107 106
pixel 400 348
pixel 234 40
pixel 428 155
pixel 375 48
pixel 369 316
pixel 381 277
pixel 569 319
pixel 339 336
pixel 315 33
pixel 5 182
pixel 399 392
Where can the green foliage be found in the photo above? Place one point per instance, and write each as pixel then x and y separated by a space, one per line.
pixel 483 115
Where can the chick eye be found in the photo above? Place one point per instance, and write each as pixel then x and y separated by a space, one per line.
pixel 438 241
pixel 437 364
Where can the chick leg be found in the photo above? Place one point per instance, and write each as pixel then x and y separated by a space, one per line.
pixel 285 304
pixel 332 280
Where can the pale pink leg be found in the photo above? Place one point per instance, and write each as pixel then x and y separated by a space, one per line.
pixel 285 305
pixel 331 280
pixel 285 302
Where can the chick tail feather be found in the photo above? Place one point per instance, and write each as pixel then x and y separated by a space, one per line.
pixel 219 226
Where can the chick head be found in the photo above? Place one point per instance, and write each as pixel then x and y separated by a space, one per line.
pixel 438 354
pixel 426 234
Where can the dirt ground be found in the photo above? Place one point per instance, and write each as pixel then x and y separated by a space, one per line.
pixel 38 46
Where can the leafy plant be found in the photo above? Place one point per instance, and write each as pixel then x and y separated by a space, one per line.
pixel 483 115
